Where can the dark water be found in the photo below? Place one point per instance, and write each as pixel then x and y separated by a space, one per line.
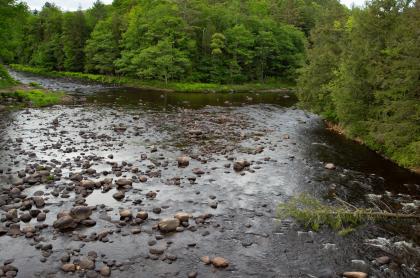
pixel 292 145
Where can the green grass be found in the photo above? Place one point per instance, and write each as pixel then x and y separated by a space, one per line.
pixel 34 98
pixel 5 79
pixel 158 85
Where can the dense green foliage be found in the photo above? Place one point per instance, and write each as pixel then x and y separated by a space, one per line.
pixel 192 41
pixel 364 73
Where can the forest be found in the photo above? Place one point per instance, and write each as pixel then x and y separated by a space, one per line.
pixel 358 68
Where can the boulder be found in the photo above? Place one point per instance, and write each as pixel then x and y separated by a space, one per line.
pixel 220 262
pixel 183 161
pixel 168 225
pixel 182 216
pixel 81 213
pixel 240 165
pixel 65 222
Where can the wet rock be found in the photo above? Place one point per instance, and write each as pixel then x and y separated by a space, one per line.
pixel 41 217
pixel 157 250
pixel 86 263
pixel 198 171
pixel 39 201
pixel 213 204
pixel 240 165
pixel 65 222
pixel 192 274
pixel 143 179
pixel 329 166
pixel 68 267
pixel 206 260
pixel 168 225
pixel 89 184
pixel 123 182
pixel 105 271
pixel 126 213
pixel 157 210
pixel 182 216
pixel 118 195
pixel 183 161
pixel 3 230
pixel 136 231
pixel 220 262
pixel 383 260
pixel 26 217
pixel 81 213
pixel 142 215
pixel 355 274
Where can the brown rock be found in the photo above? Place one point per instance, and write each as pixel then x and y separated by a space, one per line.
pixel 68 267
pixel 168 225
pixel 183 161
pixel 220 262
pixel 182 216
pixel 206 260
pixel 355 274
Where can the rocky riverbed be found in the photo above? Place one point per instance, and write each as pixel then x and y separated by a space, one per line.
pixel 134 184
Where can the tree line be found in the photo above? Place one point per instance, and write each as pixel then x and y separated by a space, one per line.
pixel 220 41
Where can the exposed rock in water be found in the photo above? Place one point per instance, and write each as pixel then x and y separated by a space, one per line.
pixel 329 166
pixel 65 222
pixel 355 274
pixel 118 195
pixel 81 213
pixel 240 165
pixel 183 161
pixel 182 216
pixel 220 262
pixel 142 215
pixel 68 267
pixel 126 213
pixel 168 225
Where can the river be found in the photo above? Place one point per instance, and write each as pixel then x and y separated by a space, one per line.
pixel 111 132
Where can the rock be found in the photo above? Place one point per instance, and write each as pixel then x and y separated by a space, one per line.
pixel 198 171
pixel 81 213
pixel 213 204
pixel 136 231
pixel 39 201
pixel 41 217
pixel 142 178
pixel 126 213
pixel 383 260
pixel 157 250
pixel 3 230
pixel 183 161
pixel 89 184
pixel 65 222
pixel 220 262
pixel 142 215
pixel 192 274
pixel 206 260
pixel 123 182
pixel 355 274
pixel 168 225
pixel 68 267
pixel 105 271
pixel 240 165
pixel 26 217
pixel 118 195
pixel 86 263
pixel 182 216
pixel 329 166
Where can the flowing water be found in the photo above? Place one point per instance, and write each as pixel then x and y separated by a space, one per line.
pixel 120 132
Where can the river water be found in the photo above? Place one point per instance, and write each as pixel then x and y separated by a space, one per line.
pixel 113 132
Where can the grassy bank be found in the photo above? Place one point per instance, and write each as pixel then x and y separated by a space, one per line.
pixel 15 95
pixel 158 85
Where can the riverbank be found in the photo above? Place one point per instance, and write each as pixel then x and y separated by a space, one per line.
pixel 14 95
pixel 341 130
pixel 275 87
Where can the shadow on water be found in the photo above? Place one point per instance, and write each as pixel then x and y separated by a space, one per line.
pixel 132 98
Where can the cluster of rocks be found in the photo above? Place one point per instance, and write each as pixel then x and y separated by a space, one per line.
pixel 8 269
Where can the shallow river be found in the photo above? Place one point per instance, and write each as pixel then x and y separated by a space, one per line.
pixel 125 133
